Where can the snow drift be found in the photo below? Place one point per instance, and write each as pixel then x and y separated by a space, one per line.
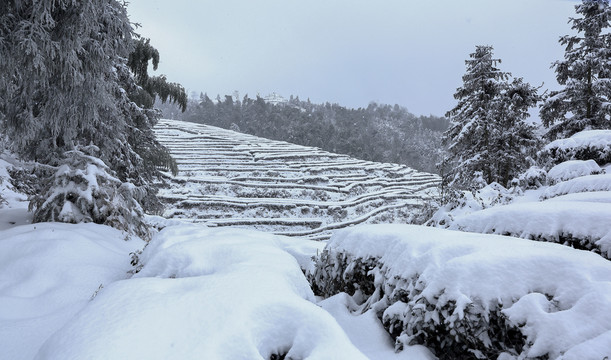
pixel 48 272
pixel 205 294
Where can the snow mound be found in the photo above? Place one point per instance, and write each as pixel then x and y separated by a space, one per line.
pixel 205 294
pixel 572 169
pixel 48 272
pixel 581 224
pixel 433 285
pixel 578 185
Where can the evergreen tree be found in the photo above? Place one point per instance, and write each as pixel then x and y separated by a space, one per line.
pixel 149 88
pixel 59 85
pixel 487 133
pixel 585 73
pixel 66 83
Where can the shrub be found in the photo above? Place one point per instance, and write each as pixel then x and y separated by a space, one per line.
pixel 83 189
pixel 479 331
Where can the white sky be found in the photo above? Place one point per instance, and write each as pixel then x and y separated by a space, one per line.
pixel 351 52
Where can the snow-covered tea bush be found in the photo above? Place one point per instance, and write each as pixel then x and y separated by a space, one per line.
pixel 473 296
pixel 572 169
pixel 533 178
pixel 585 145
pixel 83 189
pixel 464 202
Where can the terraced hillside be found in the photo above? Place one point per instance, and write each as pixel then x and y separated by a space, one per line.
pixel 231 179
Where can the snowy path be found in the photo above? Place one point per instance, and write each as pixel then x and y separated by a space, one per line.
pixel 231 179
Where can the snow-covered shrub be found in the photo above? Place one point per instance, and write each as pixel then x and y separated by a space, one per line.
pixel 469 201
pixel 533 178
pixel 576 223
pixel 572 169
pixel 83 189
pixel 590 183
pixel 472 296
pixel 584 145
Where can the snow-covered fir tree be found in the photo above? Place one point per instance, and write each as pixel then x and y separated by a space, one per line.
pixel 66 82
pixel 488 134
pixel 585 73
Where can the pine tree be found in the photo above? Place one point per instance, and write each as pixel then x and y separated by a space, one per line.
pixel 66 83
pixel 585 73
pixel 487 133
pixel 59 85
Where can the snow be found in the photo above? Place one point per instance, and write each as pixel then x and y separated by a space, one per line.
pixel 580 184
pixel 367 333
pixel 231 179
pixel 48 272
pixel 599 139
pixel 563 308
pixel 67 291
pixel 550 220
pixel 218 294
pixel 571 169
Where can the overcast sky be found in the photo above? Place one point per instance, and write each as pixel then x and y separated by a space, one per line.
pixel 350 52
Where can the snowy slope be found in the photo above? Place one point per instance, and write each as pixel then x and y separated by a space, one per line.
pixel 232 179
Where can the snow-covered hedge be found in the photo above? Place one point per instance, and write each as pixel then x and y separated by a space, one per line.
pixel 579 224
pixel 83 189
pixel 206 294
pixel 585 145
pixel 471 201
pixel 533 178
pixel 581 184
pixel 572 169
pixel 467 295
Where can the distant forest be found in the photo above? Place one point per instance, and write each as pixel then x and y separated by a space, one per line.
pixel 382 133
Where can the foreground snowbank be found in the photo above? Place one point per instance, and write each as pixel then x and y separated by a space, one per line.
pixel 465 294
pixel 205 294
pixel 48 272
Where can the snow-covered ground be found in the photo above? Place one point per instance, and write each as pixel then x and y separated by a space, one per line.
pixel 225 292
pixel 69 292
pixel 66 292
pixel 232 179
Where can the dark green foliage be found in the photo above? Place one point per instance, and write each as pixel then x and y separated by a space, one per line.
pixel 378 132
pixel 585 101
pixel 553 155
pixel 57 86
pixel 66 84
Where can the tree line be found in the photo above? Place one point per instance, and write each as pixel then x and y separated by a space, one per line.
pixel 378 132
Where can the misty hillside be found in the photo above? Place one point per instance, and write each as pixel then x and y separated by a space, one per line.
pixel 378 132
pixel 228 178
